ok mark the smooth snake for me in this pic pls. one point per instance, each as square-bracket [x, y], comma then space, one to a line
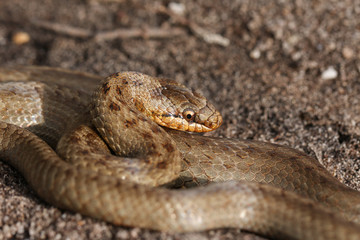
[264, 188]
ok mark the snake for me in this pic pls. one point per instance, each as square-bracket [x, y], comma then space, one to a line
[128, 149]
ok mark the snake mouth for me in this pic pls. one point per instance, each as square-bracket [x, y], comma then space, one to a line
[198, 125]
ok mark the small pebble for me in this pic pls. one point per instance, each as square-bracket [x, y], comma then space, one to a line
[329, 73]
[347, 53]
[21, 38]
[122, 234]
[255, 54]
[177, 8]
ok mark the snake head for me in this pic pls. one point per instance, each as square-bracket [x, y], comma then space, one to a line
[166, 102]
[185, 109]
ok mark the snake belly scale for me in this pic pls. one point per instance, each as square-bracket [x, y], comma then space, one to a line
[110, 159]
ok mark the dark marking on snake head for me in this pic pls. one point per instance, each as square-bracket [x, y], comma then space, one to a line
[85, 152]
[168, 115]
[75, 139]
[142, 118]
[161, 165]
[91, 137]
[139, 105]
[155, 128]
[101, 162]
[169, 147]
[105, 88]
[114, 107]
[154, 148]
[147, 136]
[127, 123]
[137, 83]
[118, 90]
[130, 123]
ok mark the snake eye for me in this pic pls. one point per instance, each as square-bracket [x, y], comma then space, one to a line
[188, 114]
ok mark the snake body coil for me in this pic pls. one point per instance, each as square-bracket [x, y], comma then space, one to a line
[264, 188]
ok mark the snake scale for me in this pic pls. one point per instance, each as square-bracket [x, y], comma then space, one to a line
[118, 165]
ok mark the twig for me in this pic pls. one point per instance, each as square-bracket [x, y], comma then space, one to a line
[109, 35]
[63, 29]
[206, 35]
[144, 33]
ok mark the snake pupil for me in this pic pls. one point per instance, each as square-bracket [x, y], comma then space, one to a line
[188, 114]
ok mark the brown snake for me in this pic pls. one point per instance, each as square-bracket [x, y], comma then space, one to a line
[300, 199]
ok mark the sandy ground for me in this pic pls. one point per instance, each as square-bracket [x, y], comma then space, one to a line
[279, 71]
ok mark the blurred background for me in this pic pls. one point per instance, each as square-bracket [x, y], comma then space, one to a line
[280, 71]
